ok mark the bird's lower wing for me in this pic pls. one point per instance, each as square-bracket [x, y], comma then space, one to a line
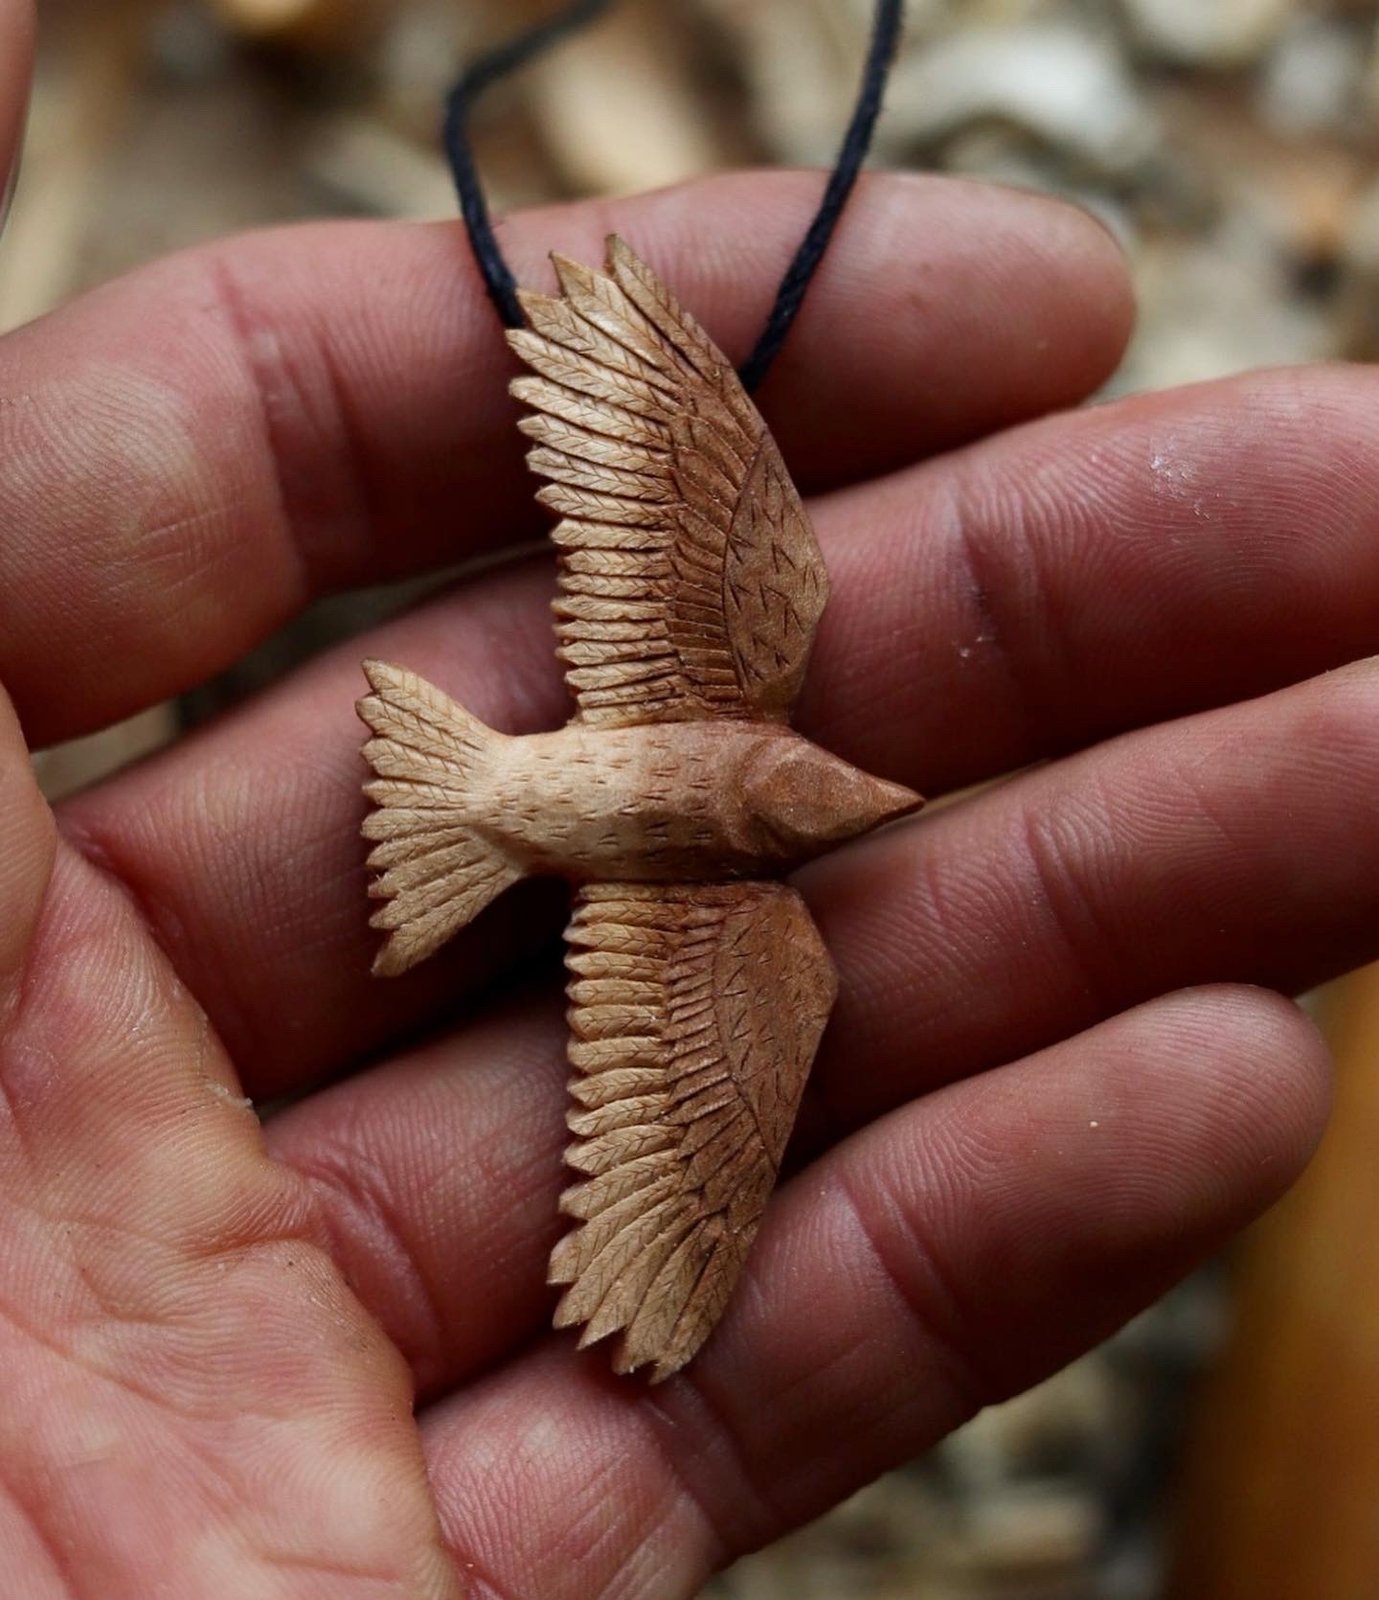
[696, 1011]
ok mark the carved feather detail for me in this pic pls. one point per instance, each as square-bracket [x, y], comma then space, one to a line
[690, 589]
[695, 1014]
[650, 444]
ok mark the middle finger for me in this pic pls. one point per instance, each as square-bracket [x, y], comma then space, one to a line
[1064, 581]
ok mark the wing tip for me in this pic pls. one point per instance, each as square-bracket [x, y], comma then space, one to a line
[520, 340]
[382, 675]
[535, 305]
[573, 276]
[630, 1358]
[633, 1360]
[391, 961]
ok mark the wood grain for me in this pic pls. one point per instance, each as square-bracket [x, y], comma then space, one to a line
[696, 1012]
[1282, 1471]
[691, 586]
[691, 583]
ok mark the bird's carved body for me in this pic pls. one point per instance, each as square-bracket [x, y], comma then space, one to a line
[677, 797]
[674, 802]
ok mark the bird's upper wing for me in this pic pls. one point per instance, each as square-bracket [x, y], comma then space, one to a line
[691, 583]
[696, 1013]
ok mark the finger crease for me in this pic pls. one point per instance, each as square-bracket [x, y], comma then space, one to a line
[937, 1310]
[662, 1430]
[1069, 915]
[320, 511]
[981, 585]
[362, 1193]
[762, 1517]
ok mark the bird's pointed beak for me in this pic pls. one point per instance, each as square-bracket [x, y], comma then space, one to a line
[893, 801]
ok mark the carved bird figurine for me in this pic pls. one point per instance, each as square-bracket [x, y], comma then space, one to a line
[690, 589]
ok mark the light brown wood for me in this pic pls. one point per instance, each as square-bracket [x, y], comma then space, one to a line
[310, 22]
[696, 1014]
[633, 70]
[690, 589]
[1282, 1479]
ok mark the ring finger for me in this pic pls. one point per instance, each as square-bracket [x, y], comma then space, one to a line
[1032, 912]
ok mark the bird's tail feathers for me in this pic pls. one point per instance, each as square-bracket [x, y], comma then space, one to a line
[435, 870]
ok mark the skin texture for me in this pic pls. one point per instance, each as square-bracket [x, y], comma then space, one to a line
[1051, 1086]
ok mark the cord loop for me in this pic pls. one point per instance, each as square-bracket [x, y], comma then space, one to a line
[509, 57]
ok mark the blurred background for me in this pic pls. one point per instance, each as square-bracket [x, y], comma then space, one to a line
[1227, 1444]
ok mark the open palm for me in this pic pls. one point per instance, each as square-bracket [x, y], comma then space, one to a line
[310, 1359]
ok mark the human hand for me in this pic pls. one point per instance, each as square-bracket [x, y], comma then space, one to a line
[1029, 1116]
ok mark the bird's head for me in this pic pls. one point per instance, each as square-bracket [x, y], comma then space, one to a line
[807, 801]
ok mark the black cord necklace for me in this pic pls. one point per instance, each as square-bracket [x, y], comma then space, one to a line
[509, 57]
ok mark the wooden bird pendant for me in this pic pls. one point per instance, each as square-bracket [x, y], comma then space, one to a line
[690, 589]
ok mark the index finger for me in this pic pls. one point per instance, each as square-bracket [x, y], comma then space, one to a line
[188, 455]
